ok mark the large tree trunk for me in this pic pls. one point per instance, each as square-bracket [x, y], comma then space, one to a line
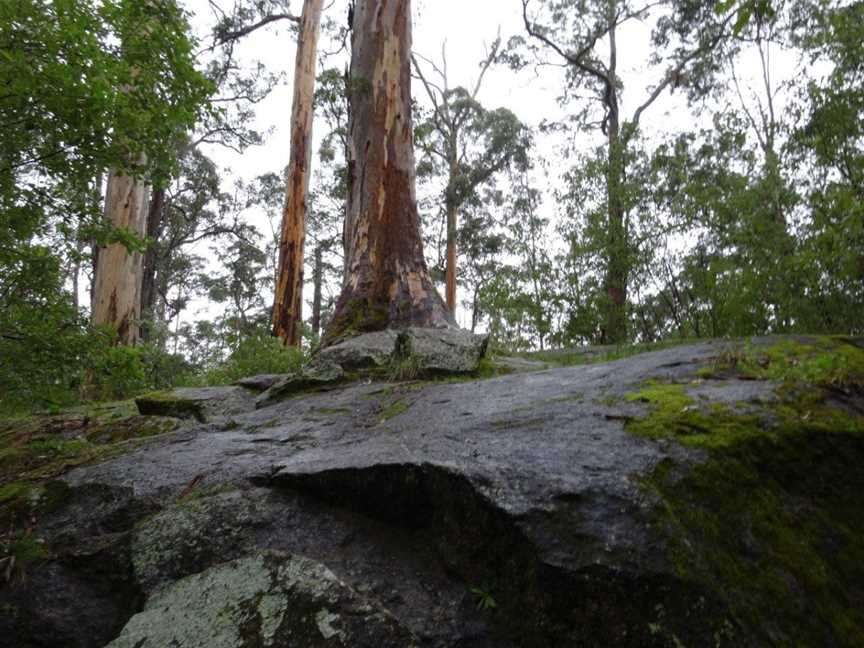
[288, 306]
[148, 279]
[386, 282]
[117, 285]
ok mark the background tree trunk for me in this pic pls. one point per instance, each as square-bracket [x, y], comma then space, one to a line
[117, 285]
[450, 272]
[317, 281]
[148, 278]
[288, 306]
[386, 281]
[617, 256]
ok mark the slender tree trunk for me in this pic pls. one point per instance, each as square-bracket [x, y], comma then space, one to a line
[617, 261]
[76, 270]
[94, 256]
[475, 309]
[155, 217]
[317, 281]
[288, 306]
[615, 328]
[452, 218]
[452, 223]
[386, 282]
[117, 285]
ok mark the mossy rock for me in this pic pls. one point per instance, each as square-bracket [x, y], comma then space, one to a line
[771, 521]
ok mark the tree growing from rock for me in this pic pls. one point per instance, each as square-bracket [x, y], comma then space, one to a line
[386, 282]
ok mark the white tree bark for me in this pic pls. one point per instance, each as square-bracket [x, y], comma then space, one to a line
[117, 285]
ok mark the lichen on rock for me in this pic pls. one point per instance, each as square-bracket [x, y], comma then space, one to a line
[265, 600]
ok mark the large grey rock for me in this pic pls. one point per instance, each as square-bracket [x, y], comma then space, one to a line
[189, 536]
[203, 404]
[266, 600]
[398, 354]
[361, 352]
[441, 350]
[517, 511]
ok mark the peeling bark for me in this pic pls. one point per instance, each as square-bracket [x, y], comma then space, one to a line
[288, 306]
[117, 283]
[386, 282]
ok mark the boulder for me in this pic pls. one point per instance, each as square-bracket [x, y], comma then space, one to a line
[361, 352]
[398, 355]
[441, 350]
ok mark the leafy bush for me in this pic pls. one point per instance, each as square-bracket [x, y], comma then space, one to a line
[256, 354]
[42, 352]
[52, 359]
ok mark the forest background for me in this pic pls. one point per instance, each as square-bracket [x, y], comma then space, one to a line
[626, 172]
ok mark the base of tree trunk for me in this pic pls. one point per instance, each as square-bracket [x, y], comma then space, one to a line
[418, 308]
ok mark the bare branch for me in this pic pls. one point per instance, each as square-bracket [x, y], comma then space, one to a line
[245, 31]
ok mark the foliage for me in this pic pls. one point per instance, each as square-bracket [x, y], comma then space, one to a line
[485, 600]
[53, 365]
[258, 353]
[88, 85]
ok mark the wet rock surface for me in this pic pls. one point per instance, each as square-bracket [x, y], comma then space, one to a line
[504, 512]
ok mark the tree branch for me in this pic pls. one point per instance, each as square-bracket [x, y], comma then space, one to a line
[245, 31]
[676, 72]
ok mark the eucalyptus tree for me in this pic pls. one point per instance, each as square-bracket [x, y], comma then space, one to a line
[67, 116]
[288, 305]
[87, 89]
[386, 282]
[583, 35]
[466, 143]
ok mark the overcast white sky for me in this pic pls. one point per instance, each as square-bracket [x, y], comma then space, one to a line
[468, 26]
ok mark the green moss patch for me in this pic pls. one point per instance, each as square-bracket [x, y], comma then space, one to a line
[18, 553]
[33, 451]
[774, 528]
[676, 414]
[393, 410]
[770, 522]
[821, 360]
